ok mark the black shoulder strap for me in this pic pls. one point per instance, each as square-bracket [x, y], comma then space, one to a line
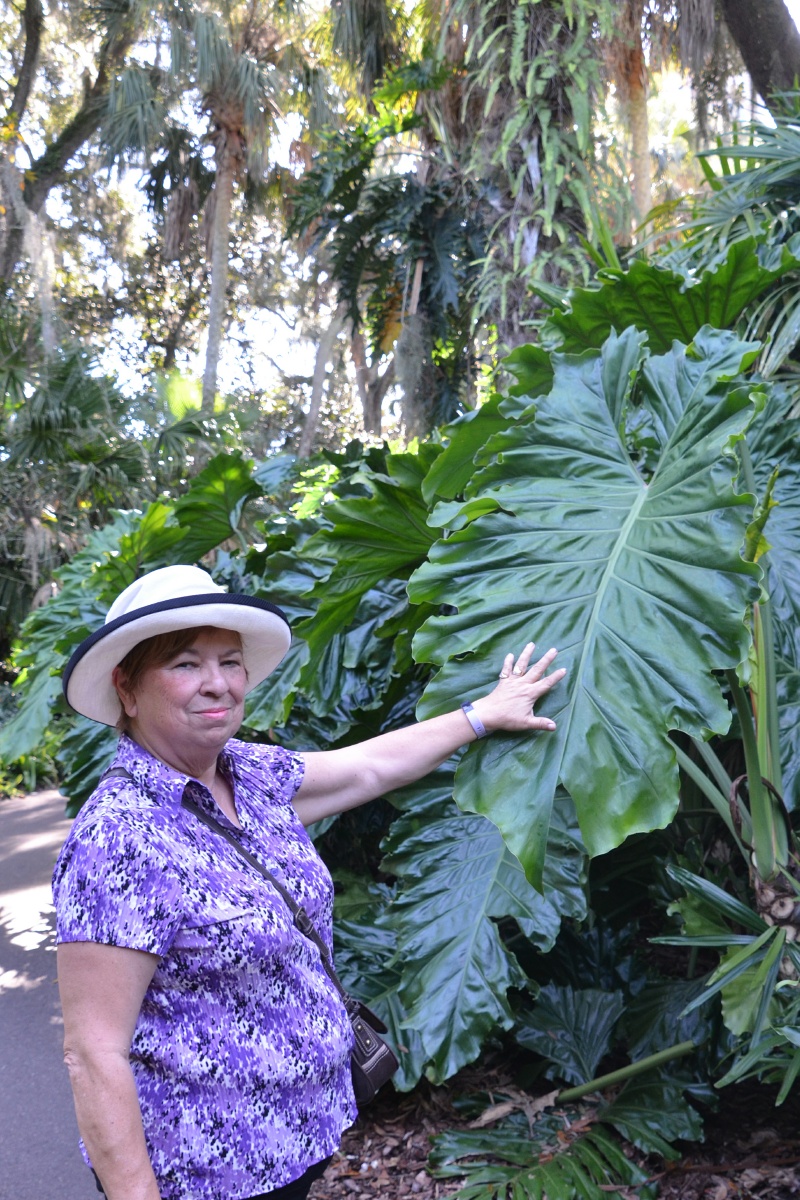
[300, 917]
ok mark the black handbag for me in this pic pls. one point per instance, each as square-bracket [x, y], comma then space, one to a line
[372, 1060]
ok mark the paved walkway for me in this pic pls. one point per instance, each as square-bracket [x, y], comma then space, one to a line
[39, 1158]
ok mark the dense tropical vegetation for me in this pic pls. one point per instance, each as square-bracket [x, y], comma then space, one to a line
[597, 446]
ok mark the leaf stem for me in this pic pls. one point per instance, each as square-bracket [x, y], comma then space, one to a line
[769, 701]
[624, 1073]
[766, 645]
[714, 765]
[761, 810]
[712, 793]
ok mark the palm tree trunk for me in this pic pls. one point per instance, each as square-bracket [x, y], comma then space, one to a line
[218, 300]
[634, 89]
[324, 349]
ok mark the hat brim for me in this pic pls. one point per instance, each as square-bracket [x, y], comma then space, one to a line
[262, 626]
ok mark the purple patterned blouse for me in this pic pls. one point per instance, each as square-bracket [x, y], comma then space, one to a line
[242, 1047]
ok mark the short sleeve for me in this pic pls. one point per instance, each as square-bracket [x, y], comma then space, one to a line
[272, 769]
[112, 886]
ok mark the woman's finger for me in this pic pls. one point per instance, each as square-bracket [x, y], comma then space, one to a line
[523, 660]
[548, 681]
[538, 669]
[508, 664]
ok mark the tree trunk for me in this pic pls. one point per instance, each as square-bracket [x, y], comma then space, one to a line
[768, 41]
[372, 387]
[218, 299]
[324, 348]
[633, 70]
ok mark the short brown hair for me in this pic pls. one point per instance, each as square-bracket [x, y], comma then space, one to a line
[154, 652]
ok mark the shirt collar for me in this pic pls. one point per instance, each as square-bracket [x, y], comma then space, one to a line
[166, 785]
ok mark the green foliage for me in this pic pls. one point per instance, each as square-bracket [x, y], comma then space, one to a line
[756, 1005]
[669, 303]
[597, 504]
[570, 544]
[29, 771]
[499, 1163]
[381, 536]
[457, 973]
[571, 1028]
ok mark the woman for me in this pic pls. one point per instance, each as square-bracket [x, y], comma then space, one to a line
[207, 1048]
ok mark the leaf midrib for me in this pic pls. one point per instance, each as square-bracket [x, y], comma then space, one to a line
[471, 957]
[594, 619]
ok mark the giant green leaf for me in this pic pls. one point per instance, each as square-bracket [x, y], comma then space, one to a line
[211, 509]
[639, 583]
[382, 536]
[452, 470]
[669, 305]
[456, 878]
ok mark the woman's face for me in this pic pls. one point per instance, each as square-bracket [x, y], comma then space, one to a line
[187, 707]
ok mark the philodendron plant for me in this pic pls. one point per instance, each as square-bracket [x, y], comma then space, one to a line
[616, 518]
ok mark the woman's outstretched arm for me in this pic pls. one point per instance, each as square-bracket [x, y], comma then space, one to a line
[336, 780]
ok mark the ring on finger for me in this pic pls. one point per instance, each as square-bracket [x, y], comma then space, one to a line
[517, 671]
[504, 675]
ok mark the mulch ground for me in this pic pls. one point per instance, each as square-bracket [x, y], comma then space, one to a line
[751, 1149]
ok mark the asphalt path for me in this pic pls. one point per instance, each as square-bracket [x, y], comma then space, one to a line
[39, 1157]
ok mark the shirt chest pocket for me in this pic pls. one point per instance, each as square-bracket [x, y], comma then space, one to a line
[223, 931]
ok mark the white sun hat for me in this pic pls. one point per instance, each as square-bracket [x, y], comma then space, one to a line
[164, 601]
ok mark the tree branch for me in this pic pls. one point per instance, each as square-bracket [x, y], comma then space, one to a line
[48, 168]
[33, 20]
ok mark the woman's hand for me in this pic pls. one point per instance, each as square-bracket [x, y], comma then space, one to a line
[510, 705]
[336, 780]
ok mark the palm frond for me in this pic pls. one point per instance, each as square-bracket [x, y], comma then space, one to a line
[136, 112]
[215, 55]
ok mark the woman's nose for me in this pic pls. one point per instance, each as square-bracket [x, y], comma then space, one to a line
[214, 679]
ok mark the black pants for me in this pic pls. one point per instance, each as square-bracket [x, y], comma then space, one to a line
[298, 1189]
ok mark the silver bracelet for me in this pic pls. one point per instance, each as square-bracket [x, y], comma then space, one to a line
[474, 720]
